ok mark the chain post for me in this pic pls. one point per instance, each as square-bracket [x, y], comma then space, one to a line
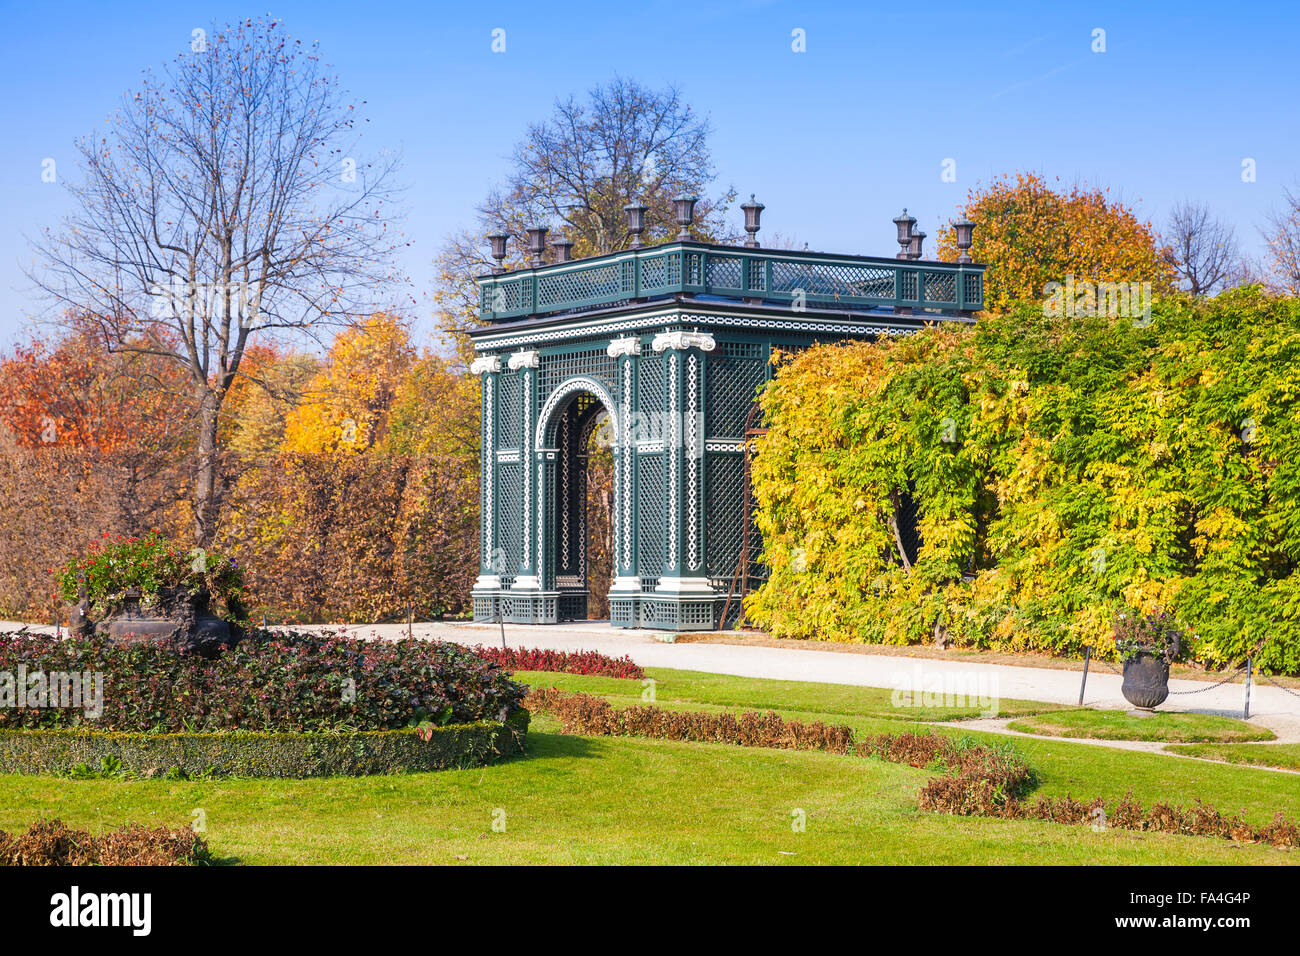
[1087, 656]
[1245, 705]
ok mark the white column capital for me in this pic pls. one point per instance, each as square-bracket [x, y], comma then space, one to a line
[523, 359]
[681, 340]
[484, 364]
[627, 345]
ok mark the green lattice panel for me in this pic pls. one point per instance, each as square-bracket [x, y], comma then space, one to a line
[907, 286]
[510, 512]
[508, 295]
[735, 372]
[578, 285]
[725, 476]
[650, 515]
[724, 272]
[941, 287]
[510, 410]
[832, 281]
[652, 384]
[591, 363]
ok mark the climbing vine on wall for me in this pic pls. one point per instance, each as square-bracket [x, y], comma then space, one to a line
[1064, 469]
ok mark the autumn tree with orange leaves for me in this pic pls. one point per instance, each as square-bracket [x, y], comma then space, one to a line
[1030, 233]
[369, 507]
[90, 441]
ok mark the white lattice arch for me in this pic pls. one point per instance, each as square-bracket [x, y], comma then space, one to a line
[557, 397]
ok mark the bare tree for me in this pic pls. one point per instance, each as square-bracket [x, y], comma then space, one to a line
[1204, 249]
[1283, 238]
[577, 170]
[226, 202]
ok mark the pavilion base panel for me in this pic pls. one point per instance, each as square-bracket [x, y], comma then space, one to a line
[655, 612]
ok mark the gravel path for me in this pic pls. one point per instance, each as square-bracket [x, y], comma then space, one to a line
[1271, 706]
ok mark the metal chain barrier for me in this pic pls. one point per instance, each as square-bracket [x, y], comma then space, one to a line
[1247, 667]
[1227, 680]
[1277, 685]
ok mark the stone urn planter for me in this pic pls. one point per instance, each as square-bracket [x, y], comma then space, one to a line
[178, 619]
[1147, 644]
[1146, 680]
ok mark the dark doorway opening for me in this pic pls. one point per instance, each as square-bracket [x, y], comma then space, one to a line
[597, 460]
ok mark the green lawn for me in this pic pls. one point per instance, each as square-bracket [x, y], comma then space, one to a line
[694, 687]
[1283, 756]
[1120, 725]
[581, 800]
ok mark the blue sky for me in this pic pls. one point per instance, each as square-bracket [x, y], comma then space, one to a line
[834, 140]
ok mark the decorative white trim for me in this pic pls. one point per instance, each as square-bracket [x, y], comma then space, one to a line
[524, 359]
[673, 515]
[565, 454]
[578, 384]
[692, 460]
[509, 455]
[541, 514]
[626, 489]
[527, 582]
[626, 583]
[627, 345]
[527, 518]
[681, 340]
[484, 364]
[715, 444]
[864, 327]
[489, 499]
[487, 582]
[673, 585]
[650, 445]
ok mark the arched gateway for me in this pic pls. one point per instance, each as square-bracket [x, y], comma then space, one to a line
[671, 342]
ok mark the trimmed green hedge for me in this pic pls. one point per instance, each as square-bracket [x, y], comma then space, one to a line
[255, 754]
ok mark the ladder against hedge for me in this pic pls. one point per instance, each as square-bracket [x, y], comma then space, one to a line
[671, 343]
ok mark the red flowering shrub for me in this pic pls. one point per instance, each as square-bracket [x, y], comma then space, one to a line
[272, 681]
[589, 714]
[592, 663]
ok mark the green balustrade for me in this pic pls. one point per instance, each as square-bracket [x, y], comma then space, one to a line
[810, 280]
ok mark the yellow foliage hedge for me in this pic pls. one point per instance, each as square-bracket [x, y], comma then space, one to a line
[1065, 470]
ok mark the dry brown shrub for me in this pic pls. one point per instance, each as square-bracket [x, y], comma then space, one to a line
[54, 843]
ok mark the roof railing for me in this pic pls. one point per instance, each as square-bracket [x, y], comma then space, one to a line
[750, 273]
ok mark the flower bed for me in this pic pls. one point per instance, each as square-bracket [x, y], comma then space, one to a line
[592, 663]
[273, 681]
[280, 704]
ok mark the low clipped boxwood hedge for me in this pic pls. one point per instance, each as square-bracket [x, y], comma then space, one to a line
[293, 682]
[263, 754]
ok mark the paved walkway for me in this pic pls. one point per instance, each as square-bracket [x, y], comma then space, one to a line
[1271, 707]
